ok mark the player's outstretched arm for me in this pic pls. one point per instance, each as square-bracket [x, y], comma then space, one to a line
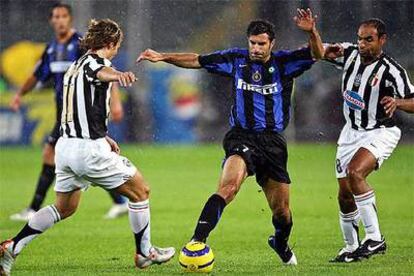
[391, 104]
[117, 111]
[108, 74]
[306, 21]
[27, 86]
[185, 60]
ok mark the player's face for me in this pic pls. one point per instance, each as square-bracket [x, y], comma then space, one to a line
[61, 20]
[260, 47]
[369, 44]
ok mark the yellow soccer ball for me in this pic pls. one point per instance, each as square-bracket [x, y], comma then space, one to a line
[196, 257]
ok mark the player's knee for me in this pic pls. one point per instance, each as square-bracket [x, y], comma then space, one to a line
[139, 193]
[355, 173]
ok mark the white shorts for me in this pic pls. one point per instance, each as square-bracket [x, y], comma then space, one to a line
[81, 162]
[380, 142]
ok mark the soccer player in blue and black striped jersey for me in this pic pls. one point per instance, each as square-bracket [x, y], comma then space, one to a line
[262, 88]
[56, 59]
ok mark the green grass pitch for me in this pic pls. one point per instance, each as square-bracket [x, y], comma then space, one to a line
[181, 179]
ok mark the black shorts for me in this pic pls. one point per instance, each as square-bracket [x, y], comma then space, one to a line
[265, 153]
[54, 135]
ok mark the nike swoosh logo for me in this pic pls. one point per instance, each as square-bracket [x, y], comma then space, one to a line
[242, 65]
[203, 222]
[348, 260]
[375, 247]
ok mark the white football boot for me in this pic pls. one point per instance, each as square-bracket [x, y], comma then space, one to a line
[157, 256]
[23, 215]
[6, 257]
[117, 210]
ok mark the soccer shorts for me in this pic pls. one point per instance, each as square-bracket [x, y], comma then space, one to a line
[81, 162]
[265, 153]
[381, 142]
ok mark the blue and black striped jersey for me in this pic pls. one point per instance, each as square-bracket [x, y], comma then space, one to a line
[261, 91]
[55, 61]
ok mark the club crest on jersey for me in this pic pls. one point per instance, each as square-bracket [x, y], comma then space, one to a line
[357, 81]
[271, 69]
[373, 80]
[354, 100]
[256, 76]
[70, 47]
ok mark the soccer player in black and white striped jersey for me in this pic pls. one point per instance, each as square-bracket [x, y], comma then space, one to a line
[373, 87]
[85, 154]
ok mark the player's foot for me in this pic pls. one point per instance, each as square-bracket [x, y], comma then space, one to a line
[284, 252]
[6, 257]
[117, 210]
[157, 256]
[23, 215]
[344, 256]
[369, 248]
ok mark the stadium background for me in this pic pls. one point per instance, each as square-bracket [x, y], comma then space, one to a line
[170, 105]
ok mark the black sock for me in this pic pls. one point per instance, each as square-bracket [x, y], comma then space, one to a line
[25, 232]
[116, 197]
[45, 180]
[283, 226]
[209, 217]
[138, 238]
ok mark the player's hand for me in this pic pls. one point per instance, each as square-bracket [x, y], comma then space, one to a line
[16, 102]
[390, 105]
[305, 20]
[333, 51]
[114, 146]
[126, 79]
[150, 55]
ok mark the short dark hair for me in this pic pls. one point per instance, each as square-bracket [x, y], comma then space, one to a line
[257, 27]
[377, 24]
[60, 5]
[100, 34]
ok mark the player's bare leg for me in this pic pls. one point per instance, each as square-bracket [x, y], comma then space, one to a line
[348, 221]
[361, 165]
[277, 195]
[137, 191]
[233, 174]
[65, 206]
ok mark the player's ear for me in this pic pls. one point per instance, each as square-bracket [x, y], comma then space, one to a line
[383, 39]
[272, 44]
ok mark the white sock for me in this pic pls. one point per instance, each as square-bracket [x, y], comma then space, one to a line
[369, 217]
[139, 218]
[349, 225]
[40, 222]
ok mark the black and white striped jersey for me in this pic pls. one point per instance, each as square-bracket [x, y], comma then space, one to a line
[363, 87]
[85, 99]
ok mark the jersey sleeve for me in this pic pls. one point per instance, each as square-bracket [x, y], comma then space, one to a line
[93, 67]
[296, 62]
[219, 62]
[42, 70]
[397, 79]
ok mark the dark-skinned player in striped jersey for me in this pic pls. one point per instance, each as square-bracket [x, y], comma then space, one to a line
[262, 89]
[374, 86]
